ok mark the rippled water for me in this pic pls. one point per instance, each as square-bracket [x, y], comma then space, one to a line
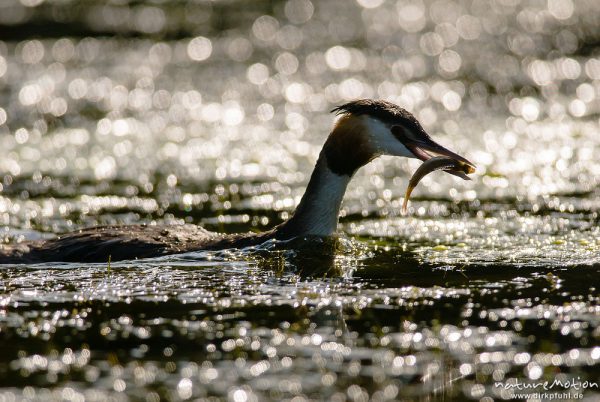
[214, 113]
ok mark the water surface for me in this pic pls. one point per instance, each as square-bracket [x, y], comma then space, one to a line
[214, 114]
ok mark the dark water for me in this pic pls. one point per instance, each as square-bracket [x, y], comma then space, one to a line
[214, 112]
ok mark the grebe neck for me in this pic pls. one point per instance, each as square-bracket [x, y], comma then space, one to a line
[317, 213]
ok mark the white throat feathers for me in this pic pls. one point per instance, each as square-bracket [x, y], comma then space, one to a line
[347, 148]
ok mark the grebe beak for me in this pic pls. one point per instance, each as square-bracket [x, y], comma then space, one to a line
[425, 148]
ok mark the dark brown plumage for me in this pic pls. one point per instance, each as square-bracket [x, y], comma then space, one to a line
[125, 242]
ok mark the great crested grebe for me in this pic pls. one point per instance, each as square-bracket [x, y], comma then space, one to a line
[365, 130]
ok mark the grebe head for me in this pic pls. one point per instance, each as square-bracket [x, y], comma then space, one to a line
[368, 128]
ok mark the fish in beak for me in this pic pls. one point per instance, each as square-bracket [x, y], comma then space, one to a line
[424, 148]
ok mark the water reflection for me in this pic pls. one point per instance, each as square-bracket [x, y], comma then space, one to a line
[214, 113]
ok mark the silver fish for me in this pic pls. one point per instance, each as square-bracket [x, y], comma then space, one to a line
[453, 166]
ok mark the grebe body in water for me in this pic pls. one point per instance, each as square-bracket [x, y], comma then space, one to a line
[365, 130]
